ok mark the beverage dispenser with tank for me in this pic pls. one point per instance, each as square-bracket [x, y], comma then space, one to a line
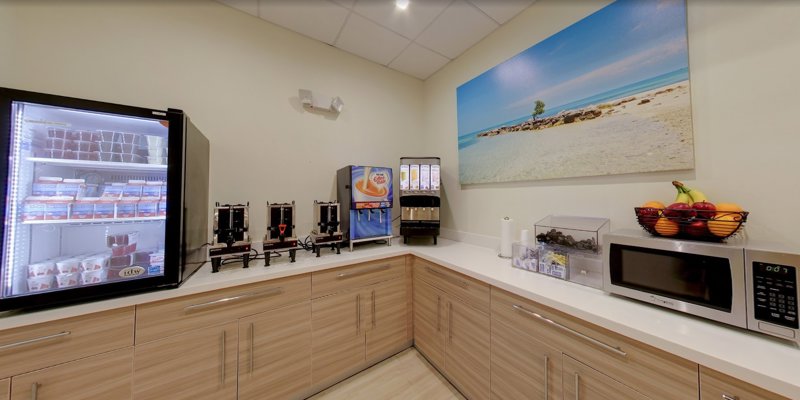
[365, 195]
[419, 197]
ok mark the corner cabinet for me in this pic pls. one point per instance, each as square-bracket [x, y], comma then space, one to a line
[452, 326]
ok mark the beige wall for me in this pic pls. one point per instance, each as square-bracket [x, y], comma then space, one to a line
[235, 75]
[745, 75]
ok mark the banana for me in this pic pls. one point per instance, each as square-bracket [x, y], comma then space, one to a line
[683, 197]
[696, 195]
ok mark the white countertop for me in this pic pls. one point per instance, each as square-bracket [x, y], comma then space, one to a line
[761, 360]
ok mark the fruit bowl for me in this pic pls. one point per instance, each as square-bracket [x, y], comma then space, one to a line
[690, 225]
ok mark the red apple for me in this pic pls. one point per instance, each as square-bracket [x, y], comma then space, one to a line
[697, 228]
[647, 216]
[679, 211]
[705, 209]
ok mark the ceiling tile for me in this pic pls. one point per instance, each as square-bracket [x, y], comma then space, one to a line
[458, 28]
[248, 6]
[502, 11]
[418, 61]
[346, 3]
[367, 39]
[318, 19]
[409, 22]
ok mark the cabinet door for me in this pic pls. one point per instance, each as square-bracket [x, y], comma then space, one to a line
[429, 323]
[275, 353]
[102, 377]
[582, 382]
[718, 386]
[523, 367]
[337, 335]
[199, 364]
[386, 325]
[5, 388]
[467, 349]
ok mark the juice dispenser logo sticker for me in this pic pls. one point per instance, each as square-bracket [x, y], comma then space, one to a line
[372, 184]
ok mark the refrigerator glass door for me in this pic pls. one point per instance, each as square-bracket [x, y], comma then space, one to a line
[86, 199]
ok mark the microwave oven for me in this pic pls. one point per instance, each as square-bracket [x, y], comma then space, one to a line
[752, 285]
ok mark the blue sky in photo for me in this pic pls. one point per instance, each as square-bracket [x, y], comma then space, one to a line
[626, 42]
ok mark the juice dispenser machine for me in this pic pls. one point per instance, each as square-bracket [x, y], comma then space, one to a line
[365, 196]
[419, 197]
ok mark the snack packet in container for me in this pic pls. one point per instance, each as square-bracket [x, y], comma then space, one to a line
[41, 283]
[68, 266]
[68, 280]
[41, 269]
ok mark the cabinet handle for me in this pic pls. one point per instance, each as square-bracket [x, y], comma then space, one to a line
[613, 349]
[35, 391]
[373, 309]
[449, 278]
[438, 313]
[546, 377]
[450, 321]
[729, 397]
[35, 340]
[577, 386]
[226, 300]
[358, 314]
[252, 345]
[345, 275]
[222, 367]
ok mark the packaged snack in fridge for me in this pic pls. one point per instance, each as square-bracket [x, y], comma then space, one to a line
[41, 269]
[147, 208]
[33, 209]
[104, 208]
[126, 208]
[57, 208]
[68, 280]
[132, 191]
[41, 283]
[156, 264]
[83, 208]
[71, 187]
[94, 263]
[162, 207]
[44, 188]
[151, 192]
[112, 192]
[68, 266]
[120, 261]
[90, 277]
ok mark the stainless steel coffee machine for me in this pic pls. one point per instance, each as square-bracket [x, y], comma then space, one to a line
[280, 235]
[231, 237]
[329, 230]
[420, 186]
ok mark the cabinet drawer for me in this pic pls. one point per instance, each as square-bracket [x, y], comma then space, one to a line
[331, 281]
[715, 385]
[105, 376]
[5, 388]
[648, 370]
[42, 345]
[473, 292]
[169, 317]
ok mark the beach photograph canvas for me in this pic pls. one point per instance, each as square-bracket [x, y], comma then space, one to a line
[606, 95]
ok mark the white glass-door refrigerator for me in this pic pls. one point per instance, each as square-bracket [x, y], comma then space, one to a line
[98, 199]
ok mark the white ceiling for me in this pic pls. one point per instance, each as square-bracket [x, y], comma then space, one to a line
[417, 41]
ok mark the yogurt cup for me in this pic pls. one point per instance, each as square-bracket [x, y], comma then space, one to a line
[68, 280]
[41, 269]
[41, 283]
[68, 266]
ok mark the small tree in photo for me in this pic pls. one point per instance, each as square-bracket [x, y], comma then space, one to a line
[538, 109]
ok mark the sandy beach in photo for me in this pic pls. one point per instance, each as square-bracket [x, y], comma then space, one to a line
[644, 132]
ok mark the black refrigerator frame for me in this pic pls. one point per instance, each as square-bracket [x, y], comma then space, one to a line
[186, 223]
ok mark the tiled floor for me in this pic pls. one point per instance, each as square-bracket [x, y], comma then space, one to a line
[406, 376]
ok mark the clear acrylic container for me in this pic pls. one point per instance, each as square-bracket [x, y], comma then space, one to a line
[524, 256]
[576, 233]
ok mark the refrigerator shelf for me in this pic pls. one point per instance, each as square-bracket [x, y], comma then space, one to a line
[99, 164]
[94, 221]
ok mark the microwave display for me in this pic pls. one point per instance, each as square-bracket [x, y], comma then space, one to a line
[693, 278]
[775, 290]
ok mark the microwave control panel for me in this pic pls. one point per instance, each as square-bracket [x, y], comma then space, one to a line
[775, 288]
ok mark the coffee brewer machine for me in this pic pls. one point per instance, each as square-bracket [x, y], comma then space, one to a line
[419, 197]
[328, 231]
[280, 235]
[231, 223]
[365, 195]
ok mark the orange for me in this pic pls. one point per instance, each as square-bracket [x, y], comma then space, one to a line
[667, 227]
[653, 204]
[724, 224]
[728, 207]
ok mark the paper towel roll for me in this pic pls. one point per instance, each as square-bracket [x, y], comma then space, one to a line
[506, 237]
[524, 237]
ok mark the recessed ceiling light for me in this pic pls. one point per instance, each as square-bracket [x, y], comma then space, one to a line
[401, 4]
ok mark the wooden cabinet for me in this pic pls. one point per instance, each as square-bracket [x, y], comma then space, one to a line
[42, 345]
[522, 366]
[644, 368]
[582, 382]
[275, 353]
[5, 388]
[199, 364]
[452, 332]
[338, 345]
[387, 327]
[715, 385]
[467, 349]
[332, 281]
[101, 377]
